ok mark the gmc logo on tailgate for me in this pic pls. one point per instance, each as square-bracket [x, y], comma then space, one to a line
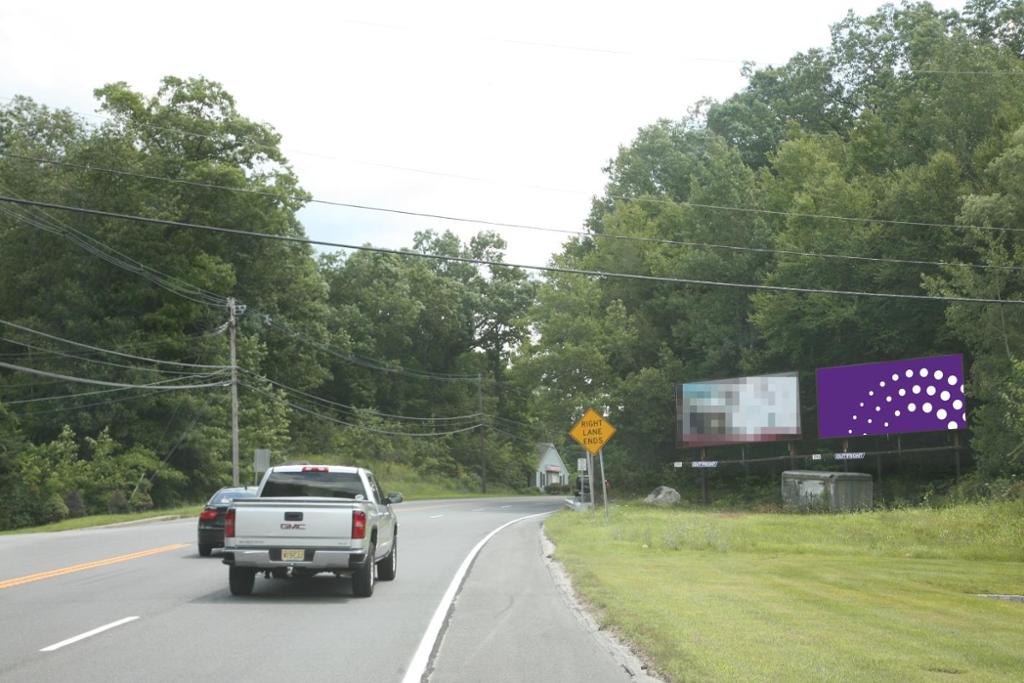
[288, 526]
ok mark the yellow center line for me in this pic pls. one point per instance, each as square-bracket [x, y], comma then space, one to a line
[10, 583]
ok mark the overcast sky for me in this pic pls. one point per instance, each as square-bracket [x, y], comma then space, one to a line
[469, 109]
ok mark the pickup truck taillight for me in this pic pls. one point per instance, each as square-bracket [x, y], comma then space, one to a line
[358, 524]
[208, 514]
[229, 524]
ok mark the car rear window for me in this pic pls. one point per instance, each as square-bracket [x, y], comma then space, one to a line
[321, 484]
[225, 497]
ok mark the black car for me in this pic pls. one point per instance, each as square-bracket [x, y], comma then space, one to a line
[211, 519]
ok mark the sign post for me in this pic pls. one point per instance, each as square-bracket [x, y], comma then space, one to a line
[260, 463]
[593, 432]
[593, 492]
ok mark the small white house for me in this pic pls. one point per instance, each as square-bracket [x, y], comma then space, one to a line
[550, 471]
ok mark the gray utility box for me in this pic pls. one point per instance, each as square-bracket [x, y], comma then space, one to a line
[831, 491]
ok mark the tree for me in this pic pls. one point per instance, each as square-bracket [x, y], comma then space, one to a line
[993, 332]
[185, 154]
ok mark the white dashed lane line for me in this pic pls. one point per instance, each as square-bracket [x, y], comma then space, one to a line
[435, 516]
[87, 634]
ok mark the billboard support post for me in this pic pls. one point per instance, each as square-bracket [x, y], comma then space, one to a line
[743, 458]
[704, 478]
[846, 449]
[956, 447]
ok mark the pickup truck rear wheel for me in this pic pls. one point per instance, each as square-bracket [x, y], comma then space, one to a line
[388, 567]
[364, 575]
[241, 580]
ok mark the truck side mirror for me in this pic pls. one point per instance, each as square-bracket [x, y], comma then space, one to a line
[394, 498]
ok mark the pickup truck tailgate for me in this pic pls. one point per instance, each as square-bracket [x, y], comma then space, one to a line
[293, 522]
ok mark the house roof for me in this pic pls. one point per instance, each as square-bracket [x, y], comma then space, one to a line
[544, 448]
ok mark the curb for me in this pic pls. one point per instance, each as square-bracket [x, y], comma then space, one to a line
[162, 518]
[623, 654]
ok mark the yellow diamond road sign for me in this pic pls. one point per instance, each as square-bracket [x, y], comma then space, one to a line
[592, 431]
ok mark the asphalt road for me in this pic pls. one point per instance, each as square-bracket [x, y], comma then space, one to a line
[170, 616]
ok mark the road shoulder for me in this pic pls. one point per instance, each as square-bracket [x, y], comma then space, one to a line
[516, 618]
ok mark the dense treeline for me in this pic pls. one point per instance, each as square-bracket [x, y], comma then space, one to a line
[888, 162]
[398, 346]
[886, 146]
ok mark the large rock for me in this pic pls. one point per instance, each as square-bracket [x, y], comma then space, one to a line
[663, 495]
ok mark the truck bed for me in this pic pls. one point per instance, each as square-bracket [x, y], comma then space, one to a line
[294, 522]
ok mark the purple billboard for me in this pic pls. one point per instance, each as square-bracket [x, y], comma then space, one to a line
[896, 397]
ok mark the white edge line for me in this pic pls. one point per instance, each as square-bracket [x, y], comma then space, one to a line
[418, 665]
[435, 516]
[87, 634]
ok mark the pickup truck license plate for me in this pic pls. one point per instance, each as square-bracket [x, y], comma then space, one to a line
[293, 555]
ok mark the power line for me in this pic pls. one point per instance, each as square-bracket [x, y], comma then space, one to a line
[138, 396]
[141, 269]
[92, 360]
[131, 345]
[314, 413]
[499, 224]
[518, 437]
[357, 410]
[381, 431]
[583, 233]
[212, 299]
[368, 362]
[83, 380]
[122, 261]
[500, 264]
[115, 353]
[105, 391]
[116, 258]
[517, 422]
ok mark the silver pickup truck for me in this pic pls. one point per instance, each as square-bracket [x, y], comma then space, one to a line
[308, 519]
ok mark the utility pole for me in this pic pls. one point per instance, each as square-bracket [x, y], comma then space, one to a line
[480, 409]
[234, 393]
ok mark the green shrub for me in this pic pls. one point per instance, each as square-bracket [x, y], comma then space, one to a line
[141, 501]
[75, 503]
[54, 509]
[117, 503]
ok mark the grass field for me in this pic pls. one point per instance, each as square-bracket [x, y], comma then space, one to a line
[101, 520]
[875, 596]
